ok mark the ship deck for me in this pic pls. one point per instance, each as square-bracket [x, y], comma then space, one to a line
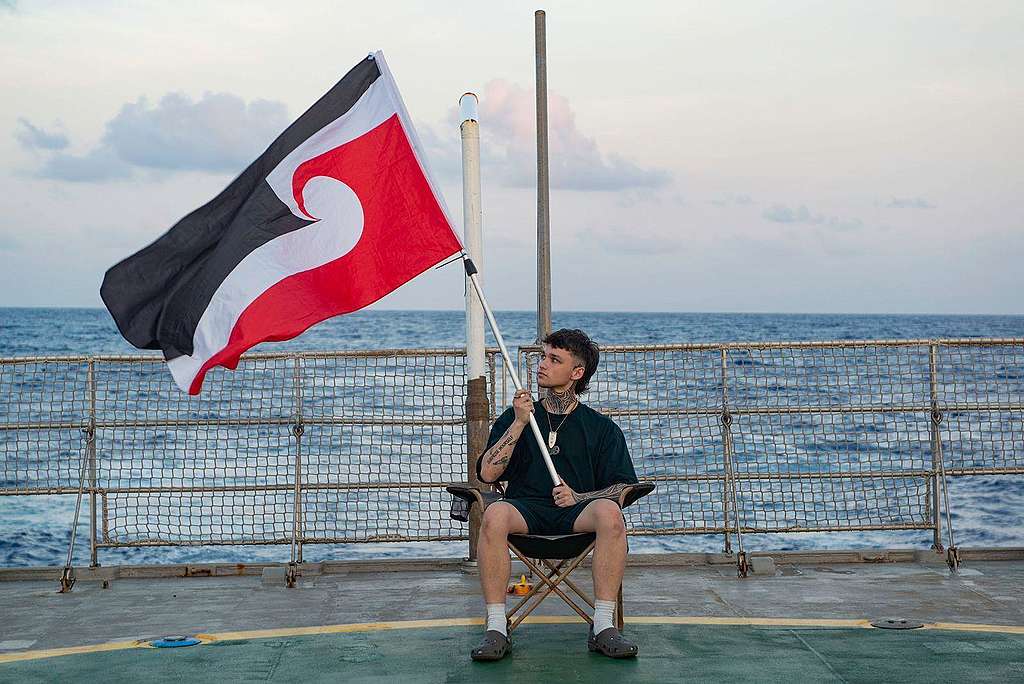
[806, 617]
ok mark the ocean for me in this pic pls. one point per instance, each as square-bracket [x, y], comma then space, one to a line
[34, 530]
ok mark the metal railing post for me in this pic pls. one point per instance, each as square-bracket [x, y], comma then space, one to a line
[726, 449]
[67, 576]
[298, 428]
[91, 455]
[492, 377]
[730, 474]
[936, 450]
[952, 552]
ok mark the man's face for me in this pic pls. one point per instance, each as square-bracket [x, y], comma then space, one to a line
[558, 368]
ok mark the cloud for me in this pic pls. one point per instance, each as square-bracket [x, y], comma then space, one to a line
[219, 133]
[509, 153]
[731, 200]
[840, 224]
[444, 152]
[628, 199]
[33, 137]
[9, 5]
[780, 213]
[783, 214]
[909, 203]
[99, 164]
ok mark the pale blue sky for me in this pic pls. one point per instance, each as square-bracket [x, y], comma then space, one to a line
[747, 156]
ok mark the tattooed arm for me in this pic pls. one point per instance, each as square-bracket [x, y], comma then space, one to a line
[494, 461]
[564, 495]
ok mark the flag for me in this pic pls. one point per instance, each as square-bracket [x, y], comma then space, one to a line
[339, 211]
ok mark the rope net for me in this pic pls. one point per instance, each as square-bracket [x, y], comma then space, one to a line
[358, 446]
[980, 392]
[43, 409]
[830, 436]
[371, 439]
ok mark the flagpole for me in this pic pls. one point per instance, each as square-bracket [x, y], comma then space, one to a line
[543, 181]
[471, 274]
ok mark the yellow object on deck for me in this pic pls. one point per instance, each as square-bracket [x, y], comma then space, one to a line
[520, 588]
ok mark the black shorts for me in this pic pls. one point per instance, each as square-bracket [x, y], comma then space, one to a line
[544, 517]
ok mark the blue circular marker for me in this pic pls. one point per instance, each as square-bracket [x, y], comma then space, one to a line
[175, 641]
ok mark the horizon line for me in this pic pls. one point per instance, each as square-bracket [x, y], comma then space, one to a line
[596, 311]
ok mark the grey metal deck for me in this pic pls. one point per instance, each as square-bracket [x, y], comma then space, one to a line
[146, 602]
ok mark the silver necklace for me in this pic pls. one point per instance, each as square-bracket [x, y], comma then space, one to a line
[553, 432]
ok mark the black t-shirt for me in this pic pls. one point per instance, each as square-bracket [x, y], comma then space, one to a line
[592, 453]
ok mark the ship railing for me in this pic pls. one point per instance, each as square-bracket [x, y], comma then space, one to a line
[744, 438]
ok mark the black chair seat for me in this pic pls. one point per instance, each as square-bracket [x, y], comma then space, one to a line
[557, 546]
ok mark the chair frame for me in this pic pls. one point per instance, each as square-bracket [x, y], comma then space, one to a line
[552, 571]
[552, 575]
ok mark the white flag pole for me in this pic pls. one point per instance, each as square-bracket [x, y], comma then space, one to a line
[471, 274]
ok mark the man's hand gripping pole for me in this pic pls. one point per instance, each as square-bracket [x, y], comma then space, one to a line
[471, 274]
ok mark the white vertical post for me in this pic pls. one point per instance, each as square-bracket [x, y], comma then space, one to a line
[477, 405]
[471, 216]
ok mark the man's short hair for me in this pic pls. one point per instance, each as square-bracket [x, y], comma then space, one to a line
[582, 347]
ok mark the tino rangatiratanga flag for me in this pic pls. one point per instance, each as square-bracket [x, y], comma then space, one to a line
[338, 212]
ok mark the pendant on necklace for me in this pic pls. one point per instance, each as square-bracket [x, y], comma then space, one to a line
[552, 436]
[554, 450]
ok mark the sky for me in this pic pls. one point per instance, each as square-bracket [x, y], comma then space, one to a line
[841, 157]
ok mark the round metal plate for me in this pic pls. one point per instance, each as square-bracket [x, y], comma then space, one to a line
[174, 641]
[896, 623]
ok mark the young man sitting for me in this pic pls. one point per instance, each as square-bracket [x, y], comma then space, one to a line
[591, 457]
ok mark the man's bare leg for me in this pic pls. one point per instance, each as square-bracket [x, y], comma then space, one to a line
[604, 517]
[500, 520]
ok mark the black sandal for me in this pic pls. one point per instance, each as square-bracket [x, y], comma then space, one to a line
[495, 646]
[611, 643]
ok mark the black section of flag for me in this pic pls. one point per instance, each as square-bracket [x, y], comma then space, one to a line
[262, 218]
[158, 295]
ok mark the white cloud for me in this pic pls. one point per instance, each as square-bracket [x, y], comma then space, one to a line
[219, 133]
[509, 153]
[909, 203]
[780, 213]
[732, 200]
[35, 138]
[99, 164]
[783, 214]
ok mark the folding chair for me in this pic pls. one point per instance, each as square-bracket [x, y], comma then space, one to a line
[551, 558]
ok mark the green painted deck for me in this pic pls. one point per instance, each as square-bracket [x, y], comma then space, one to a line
[804, 621]
[558, 652]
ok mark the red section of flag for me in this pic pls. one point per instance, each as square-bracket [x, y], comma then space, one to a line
[405, 232]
